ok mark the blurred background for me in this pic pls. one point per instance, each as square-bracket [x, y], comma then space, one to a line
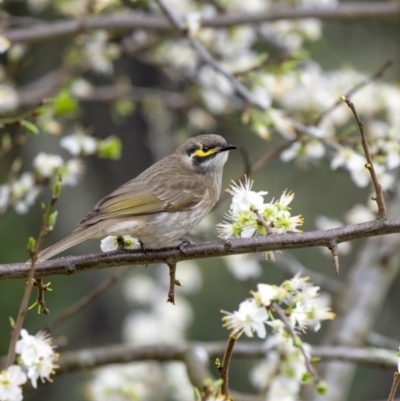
[150, 124]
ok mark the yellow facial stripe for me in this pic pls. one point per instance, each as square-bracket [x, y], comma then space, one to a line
[202, 153]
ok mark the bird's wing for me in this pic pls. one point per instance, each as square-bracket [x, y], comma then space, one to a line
[158, 194]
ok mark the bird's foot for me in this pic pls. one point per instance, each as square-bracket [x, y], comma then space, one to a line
[143, 247]
[185, 242]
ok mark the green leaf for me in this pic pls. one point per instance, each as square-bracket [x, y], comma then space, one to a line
[110, 148]
[197, 394]
[30, 127]
[297, 342]
[322, 388]
[64, 103]
[124, 107]
[306, 377]
[40, 110]
[57, 189]
[52, 219]
[31, 244]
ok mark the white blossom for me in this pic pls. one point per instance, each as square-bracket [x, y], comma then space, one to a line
[304, 152]
[8, 99]
[249, 318]
[81, 88]
[298, 317]
[243, 267]
[247, 206]
[110, 243]
[141, 289]
[162, 324]
[281, 372]
[359, 214]
[193, 22]
[266, 294]
[11, 381]
[36, 354]
[4, 44]
[96, 53]
[79, 143]
[72, 172]
[47, 165]
[318, 309]
[23, 193]
[243, 198]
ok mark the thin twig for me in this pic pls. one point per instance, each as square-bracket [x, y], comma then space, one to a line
[224, 369]
[370, 166]
[266, 63]
[40, 299]
[262, 221]
[172, 281]
[335, 255]
[236, 246]
[396, 381]
[88, 358]
[378, 74]
[388, 11]
[23, 309]
[204, 55]
[297, 342]
[87, 299]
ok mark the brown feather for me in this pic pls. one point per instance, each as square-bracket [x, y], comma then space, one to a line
[150, 193]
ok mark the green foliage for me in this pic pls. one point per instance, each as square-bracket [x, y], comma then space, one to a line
[31, 244]
[29, 126]
[322, 388]
[52, 220]
[64, 103]
[110, 148]
[306, 378]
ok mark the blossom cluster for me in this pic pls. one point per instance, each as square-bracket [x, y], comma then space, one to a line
[284, 369]
[22, 192]
[249, 214]
[36, 360]
[305, 308]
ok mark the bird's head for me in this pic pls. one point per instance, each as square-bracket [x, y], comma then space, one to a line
[205, 153]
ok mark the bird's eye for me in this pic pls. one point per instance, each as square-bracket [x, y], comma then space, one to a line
[205, 149]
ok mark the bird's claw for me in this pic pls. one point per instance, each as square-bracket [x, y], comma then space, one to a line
[185, 242]
[143, 247]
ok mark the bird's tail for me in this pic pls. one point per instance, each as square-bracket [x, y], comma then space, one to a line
[73, 239]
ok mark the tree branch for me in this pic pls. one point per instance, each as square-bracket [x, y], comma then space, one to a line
[388, 11]
[204, 54]
[73, 361]
[370, 165]
[72, 264]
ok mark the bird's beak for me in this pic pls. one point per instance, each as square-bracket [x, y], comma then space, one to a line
[227, 147]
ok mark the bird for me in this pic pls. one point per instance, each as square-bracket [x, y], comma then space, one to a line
[163, 203]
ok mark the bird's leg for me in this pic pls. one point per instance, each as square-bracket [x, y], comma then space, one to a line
[143, 247]
[121, 244]
[185, 242]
